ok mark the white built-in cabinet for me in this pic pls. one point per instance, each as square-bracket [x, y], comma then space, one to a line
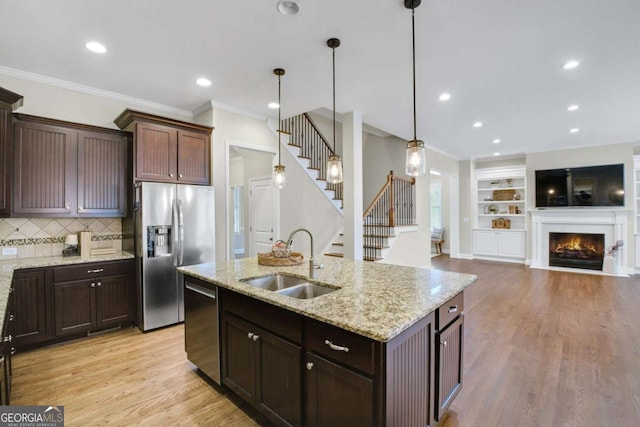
[500, 220]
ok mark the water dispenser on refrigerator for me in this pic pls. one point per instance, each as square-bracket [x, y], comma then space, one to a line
[159, 241]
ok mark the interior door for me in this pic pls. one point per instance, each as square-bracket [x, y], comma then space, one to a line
[261, 213]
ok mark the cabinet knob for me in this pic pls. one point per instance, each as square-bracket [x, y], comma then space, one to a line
[11, 317]
[13, 350]
[99, 284]
[80, 208]
[444, 343]
[250, 335]
[309, 365]
[171, 175]
[180, 175]
[256, 337]
[8, 338]
[93, 285]
[335, 347]
[67, 208]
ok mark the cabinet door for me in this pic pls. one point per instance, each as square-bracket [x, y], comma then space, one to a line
[114, 300]
[194, 154]
[449, 374]
[279, 385]
[511, 244]
[337, 396]
[238, 357]
[45, 170]
[5, 166]
[156, 151]
[30, 306]
[102, 163]
[485, 242]
[74, 307]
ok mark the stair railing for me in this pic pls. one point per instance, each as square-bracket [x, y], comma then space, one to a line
[394, 204]
[313, 146]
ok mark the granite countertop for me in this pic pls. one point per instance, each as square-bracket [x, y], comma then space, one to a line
[375, 300]
[8, 266]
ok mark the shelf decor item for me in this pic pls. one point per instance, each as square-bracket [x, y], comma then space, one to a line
[503, 195]
[501, 223]
[267, 258]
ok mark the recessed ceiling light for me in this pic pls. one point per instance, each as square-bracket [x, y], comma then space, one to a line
[477, 125]
[288, 7]
[436, 173]
[497, 141]
[274, 105]
[203, 82]
[570, 64]
[444, 96]
[574, 130]
[96, 47]
[496, 154]
[573, 107]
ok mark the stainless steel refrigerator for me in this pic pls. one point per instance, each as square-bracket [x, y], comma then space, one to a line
[174, 226]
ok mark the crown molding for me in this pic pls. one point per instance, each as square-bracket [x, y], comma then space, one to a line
[226, 107]
[51, 81]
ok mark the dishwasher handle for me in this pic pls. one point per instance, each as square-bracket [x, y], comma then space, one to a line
[209, 293]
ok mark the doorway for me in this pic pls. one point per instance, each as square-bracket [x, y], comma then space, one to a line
[445, 209]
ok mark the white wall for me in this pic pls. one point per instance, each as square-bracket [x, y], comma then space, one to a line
[465, 222]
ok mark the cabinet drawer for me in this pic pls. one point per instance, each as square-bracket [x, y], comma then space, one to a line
[281, 322]
[346, 347]
[91, 270]
[449, 311]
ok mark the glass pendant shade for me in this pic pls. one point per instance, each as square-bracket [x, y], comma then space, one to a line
[416, 163]
[279, 178]
[334, 169]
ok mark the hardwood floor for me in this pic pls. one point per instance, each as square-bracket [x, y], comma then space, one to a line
[542, 348]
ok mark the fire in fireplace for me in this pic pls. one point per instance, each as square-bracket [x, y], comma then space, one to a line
[576, 250]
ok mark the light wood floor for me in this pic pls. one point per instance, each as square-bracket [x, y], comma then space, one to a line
[541, 349]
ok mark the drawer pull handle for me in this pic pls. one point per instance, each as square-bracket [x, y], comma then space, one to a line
[8, 338]
[453, 309]
[97, 270]
[444, 343]
[332, 346]
[309, 366]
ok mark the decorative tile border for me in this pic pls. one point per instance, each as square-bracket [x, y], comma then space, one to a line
[46, 240]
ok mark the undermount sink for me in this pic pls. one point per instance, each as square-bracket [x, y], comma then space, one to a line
[275, 282]
[290, 286]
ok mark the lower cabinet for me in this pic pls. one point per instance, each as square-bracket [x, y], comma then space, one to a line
[7, 350]
[299, 371]
[30, 296]
[499, 244]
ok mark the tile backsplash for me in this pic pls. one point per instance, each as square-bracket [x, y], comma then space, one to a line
[39, 237]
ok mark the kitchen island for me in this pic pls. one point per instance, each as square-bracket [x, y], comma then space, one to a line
[385, 348]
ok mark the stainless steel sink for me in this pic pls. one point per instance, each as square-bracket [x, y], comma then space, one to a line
[291, 286]
[275, 282]
[306, 291]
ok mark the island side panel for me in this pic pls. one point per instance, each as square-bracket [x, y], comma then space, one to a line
[409, 364]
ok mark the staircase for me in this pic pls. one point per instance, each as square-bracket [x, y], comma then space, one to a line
[392, 210]
[313, 151]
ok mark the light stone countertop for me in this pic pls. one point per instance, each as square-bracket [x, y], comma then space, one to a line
[8, 266]
[376, 300]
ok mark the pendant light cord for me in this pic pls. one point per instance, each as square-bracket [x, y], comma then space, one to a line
[334, 100]
[279, 122]
[413, 35]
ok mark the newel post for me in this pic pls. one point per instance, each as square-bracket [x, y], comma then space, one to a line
[392, 203]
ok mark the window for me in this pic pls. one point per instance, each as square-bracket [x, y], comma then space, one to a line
[436, 204]
[237, 210]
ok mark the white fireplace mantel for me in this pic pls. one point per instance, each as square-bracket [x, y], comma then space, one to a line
[610, 222]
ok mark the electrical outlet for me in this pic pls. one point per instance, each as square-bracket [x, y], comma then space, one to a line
[9, 251]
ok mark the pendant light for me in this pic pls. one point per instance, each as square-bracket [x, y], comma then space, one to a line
[279, 177]
[416, 163]
[334, 165]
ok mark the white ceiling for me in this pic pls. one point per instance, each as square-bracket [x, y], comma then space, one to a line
[501, 60]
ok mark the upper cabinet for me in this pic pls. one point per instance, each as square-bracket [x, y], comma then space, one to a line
[168, 150]
[68, 169]
[9, 101]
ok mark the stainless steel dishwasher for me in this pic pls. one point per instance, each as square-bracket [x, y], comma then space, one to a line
[201, 335]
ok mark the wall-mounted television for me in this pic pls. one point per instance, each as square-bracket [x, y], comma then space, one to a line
[584, 186]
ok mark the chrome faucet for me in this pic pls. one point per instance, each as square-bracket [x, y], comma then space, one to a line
[313, 267]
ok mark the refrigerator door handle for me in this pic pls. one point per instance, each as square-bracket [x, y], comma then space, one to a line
[175, 227]
[181, 232]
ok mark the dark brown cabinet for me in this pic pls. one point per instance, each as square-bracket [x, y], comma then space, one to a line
[31, 305]
[259, 365]
[93, 296]
[168, 150]
[7, 349]
[449, 341]
[68, 169]
[9, 101]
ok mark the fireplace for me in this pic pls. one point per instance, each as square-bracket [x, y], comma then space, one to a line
[576, 250]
